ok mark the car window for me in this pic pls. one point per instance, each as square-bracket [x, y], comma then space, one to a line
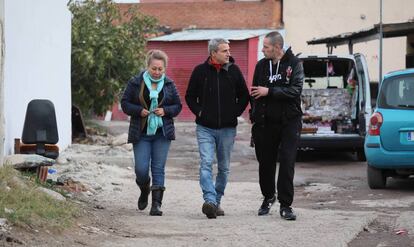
[323, 82]
[397, 92]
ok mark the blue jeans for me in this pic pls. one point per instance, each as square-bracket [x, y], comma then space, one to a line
[212, 142]
[151, 150]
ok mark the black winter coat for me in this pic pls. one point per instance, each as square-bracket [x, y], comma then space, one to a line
[131, 106]
[283, 100]
[217, 98]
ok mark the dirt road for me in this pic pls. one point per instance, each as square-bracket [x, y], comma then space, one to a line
[332, 201]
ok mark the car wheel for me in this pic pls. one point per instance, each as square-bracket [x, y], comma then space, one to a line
[376, 178]
[361, 155]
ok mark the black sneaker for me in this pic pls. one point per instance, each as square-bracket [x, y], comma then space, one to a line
[266, 205]
[287, 213]
[210, 210]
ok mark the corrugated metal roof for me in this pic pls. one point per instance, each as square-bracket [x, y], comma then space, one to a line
[207, 34]
[390, 30]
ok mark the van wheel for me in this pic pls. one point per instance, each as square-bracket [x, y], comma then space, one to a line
[376, 178]
[361, 155]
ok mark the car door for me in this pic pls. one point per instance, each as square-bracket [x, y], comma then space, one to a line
[396, 104]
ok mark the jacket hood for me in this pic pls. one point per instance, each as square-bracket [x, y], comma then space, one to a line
[288, 54]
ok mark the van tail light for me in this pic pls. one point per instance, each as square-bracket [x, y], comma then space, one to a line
[375, 124]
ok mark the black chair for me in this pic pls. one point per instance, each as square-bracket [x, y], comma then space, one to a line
[40, 133]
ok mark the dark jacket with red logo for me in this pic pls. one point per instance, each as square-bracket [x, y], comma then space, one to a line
[217, 97]
[283, 100]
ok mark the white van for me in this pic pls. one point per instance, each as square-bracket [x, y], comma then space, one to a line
[336, 103]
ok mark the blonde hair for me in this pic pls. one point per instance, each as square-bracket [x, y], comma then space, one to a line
[157, 54]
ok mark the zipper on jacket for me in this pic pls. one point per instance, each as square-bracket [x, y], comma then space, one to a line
[202, 101]
[218, 99]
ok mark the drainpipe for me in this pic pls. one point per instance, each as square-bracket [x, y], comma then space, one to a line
[380, 46]
[2, 125]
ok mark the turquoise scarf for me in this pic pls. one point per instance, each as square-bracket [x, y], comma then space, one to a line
[154, 121]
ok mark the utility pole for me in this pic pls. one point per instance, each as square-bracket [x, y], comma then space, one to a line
[380, 46]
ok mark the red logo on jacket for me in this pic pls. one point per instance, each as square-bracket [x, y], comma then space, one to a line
[288, 73]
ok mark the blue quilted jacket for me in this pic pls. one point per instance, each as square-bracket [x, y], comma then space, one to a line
[131, 106]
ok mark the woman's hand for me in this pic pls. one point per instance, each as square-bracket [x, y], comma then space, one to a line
[144, 113]
[159, 112]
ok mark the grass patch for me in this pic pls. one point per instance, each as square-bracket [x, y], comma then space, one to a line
[23, 205]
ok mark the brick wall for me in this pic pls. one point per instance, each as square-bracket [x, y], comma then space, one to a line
[226, 14]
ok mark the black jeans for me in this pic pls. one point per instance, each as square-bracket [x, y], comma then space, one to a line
[273, 141]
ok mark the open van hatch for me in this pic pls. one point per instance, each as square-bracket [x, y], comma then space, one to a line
[330, 103]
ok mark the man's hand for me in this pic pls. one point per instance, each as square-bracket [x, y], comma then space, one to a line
[259, 91]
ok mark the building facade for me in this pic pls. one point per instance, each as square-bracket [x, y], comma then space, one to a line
[308, 19]
[218, 14]
[237, 21]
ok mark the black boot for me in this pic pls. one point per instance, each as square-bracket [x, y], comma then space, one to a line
[143, 198]
[157, 194]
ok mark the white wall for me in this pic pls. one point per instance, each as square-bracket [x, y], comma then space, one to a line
[37, 63]
[308, 19]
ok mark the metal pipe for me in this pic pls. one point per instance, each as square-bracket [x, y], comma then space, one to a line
[2, 121]
[380, 45]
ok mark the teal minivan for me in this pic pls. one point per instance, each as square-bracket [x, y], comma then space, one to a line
[389, 144]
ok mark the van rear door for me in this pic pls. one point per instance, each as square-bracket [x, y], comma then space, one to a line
[364, 99]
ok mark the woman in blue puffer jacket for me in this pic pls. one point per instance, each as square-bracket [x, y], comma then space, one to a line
[152, 101]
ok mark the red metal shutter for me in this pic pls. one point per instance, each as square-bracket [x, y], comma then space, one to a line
[185, 55]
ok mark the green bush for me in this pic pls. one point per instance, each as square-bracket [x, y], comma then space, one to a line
[108, 47]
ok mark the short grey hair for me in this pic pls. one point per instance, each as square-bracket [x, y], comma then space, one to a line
[213, 44]
[275, 38]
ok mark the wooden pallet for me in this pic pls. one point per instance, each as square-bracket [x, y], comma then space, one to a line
[49, 151]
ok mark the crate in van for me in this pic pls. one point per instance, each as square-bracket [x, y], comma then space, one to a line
[336, 103]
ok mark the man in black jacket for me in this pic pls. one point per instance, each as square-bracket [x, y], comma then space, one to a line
[277, 121]
[217, 95]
